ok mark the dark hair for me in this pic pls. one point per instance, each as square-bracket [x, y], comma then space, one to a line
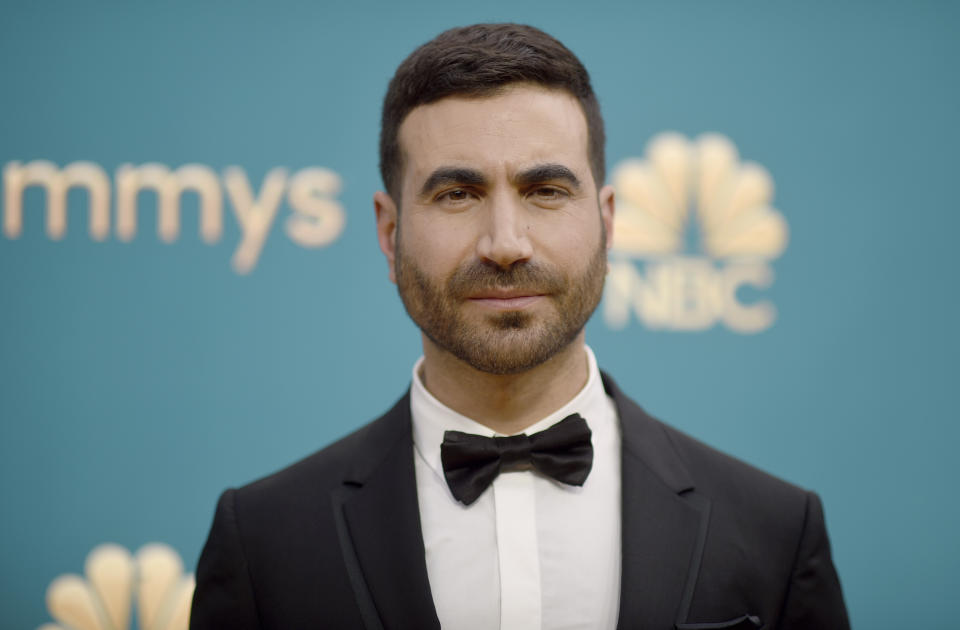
[481, 60]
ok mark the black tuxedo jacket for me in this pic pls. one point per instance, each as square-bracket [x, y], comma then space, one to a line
[334, 540]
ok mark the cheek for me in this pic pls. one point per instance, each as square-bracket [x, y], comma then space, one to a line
[569, 241]
[437, 249]
[437, 238]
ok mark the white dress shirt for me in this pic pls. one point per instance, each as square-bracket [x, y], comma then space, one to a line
[531, 552]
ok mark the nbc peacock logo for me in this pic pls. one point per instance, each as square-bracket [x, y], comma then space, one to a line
[694, 232]
[153, 579]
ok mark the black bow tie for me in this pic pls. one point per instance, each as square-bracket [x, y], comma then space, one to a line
[472, 462]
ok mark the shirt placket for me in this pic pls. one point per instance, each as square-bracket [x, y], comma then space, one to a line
[517, 551]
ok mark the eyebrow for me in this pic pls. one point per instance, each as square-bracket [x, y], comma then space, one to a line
[446, 175]
[545, 173]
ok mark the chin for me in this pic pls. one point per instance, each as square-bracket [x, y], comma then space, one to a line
[510, 343]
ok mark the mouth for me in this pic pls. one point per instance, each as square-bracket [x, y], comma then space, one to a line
[506, 299]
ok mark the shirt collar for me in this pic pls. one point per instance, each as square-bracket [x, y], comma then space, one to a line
[431, 418]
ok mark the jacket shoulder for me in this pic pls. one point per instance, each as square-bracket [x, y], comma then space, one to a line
[351, 457]
[720, 473]
[766, 549]
[686, 463]
[274, 553]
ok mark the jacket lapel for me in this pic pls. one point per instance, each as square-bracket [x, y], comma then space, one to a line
[378, 522]
[664, 523]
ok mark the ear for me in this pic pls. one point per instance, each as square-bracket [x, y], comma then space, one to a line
[386, 211]
[607, 209]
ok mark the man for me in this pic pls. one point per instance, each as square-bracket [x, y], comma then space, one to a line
[591, 514]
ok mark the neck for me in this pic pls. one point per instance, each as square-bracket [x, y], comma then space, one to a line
[505, 403]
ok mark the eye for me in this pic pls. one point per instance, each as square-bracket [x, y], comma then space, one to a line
[455, 196]
[548, 194]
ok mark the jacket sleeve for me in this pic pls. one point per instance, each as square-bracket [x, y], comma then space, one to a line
[814, 598]
[224, 594]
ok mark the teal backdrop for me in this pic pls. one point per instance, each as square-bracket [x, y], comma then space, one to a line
[140, 378]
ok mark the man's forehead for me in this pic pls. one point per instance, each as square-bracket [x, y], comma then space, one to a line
[514, 129]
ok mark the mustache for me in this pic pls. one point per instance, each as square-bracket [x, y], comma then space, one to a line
[480, 276]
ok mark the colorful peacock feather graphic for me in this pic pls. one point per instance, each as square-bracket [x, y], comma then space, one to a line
[152, 581]
[679, 190]
[680, 180]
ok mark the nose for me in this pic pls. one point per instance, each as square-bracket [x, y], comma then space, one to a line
[505, 239]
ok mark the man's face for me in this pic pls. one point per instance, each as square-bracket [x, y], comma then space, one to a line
[499, 250]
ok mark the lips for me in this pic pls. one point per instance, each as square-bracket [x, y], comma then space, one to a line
[506, 299]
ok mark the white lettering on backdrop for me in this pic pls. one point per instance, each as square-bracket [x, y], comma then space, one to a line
[317, 219]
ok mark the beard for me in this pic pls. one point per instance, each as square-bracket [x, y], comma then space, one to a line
[505, 342]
